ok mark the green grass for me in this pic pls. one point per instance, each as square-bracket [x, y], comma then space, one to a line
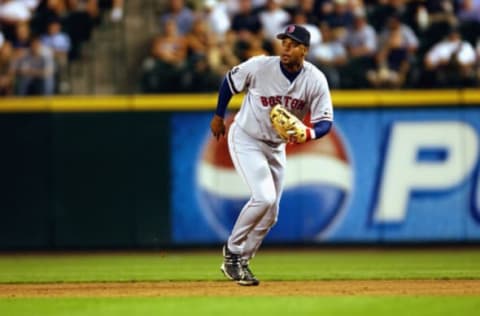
[265, 306]
[269, 265]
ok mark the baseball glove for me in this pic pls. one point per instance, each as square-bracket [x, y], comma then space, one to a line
[288, 126]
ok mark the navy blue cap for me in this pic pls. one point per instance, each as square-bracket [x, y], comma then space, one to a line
[297, 33]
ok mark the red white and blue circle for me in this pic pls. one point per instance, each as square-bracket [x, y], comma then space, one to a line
[317, 185]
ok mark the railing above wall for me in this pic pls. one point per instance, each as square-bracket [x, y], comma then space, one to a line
[189, 102]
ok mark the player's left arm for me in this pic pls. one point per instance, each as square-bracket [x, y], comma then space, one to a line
[321, 110]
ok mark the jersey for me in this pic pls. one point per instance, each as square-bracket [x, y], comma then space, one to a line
[265, 85]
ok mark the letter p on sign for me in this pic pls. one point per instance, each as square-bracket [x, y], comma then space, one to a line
[454, 147]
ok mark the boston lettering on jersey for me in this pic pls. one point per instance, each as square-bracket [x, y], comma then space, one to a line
[285, 100]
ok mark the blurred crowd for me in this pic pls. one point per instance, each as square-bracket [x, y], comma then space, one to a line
[39, 39]
[357, 44]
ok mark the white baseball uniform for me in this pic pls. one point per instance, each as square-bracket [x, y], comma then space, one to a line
[258, 153]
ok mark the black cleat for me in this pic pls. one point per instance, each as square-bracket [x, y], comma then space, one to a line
[231, 266]
[248, 278]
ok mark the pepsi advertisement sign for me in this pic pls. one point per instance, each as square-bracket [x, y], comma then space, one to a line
[389, 175]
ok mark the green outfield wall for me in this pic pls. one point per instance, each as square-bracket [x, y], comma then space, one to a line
[94, 172]
[87, 179]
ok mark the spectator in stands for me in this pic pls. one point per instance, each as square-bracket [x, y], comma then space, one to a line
[83, 14]
[234, 6]
[11, 13]
[221, 52]
[21, 19]
[14, 11]
[421, 18]
[341, 19]
[32, 5]
[198, 40]
[201, 77]
[469, 19]
[78, 19]
[217, 17]
[227, 58]
[60, 45]
[451, 62]
[273, 19]
[357, 5]
[392, 62]
[407, 37]
[58, 41]
[441, 17]
[399, 7]
[163, 71]
[469, 11]
[170, 47]
[245, 25]
[441, 11]
[115, 8]
[35, 71]
[330, 55]
[361, 45]
[181, 14]
[246, 22]
[203, 55]
[21, 41]
[361, 40]
[255, 48]
[309, 8]
[21, 7]
[382, 10]
[259, 4]
[47, 11]
[6, 76]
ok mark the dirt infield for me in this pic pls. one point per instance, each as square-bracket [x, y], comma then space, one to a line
[269, 288]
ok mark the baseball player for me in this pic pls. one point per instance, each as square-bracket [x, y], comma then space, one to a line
[256, 148]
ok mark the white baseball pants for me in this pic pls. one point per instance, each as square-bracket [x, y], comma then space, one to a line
[261, 166]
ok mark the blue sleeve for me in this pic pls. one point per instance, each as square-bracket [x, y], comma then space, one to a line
[322, 128]
[224, 96]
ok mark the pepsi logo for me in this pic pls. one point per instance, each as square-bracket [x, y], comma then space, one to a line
[318, 183]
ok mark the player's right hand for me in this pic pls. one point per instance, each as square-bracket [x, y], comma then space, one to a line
[217, 126]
